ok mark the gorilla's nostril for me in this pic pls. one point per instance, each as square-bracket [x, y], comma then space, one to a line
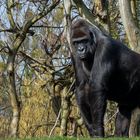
[81, 49]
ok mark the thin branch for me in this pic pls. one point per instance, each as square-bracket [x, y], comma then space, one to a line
[64, 67]
[111, 117]
[9, 30]
[5, 47]
[9, 13]
[16, 31]
[4, 108]
[55, 123]
[32, 59]
[46, 26]
[30, 23]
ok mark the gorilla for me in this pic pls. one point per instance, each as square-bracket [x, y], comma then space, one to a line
[105, 69]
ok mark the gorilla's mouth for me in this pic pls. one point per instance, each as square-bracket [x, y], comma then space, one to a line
[82, 56]
[82, 53]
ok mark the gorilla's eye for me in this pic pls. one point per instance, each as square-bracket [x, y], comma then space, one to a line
[75, 42]
[84, 41]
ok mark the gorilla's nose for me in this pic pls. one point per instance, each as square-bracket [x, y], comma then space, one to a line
[81, 49]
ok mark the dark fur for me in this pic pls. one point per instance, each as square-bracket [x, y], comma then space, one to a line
[104, 69]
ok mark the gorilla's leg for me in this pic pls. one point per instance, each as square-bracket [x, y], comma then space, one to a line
[85, 112]
[98, 107]
[122, 123]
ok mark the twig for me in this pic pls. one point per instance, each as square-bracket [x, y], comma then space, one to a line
[35, 60]
[111, 117]
[55, 123]
[46, 26]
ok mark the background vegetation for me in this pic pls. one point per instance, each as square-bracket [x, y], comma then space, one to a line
[36, 74]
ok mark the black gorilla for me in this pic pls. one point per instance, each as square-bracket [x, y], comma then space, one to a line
[105, 69]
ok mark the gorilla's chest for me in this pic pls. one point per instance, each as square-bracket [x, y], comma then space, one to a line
[87, 67]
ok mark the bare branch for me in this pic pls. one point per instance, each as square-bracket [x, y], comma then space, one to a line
[9, 4]
[32, 59]
[55, 123]
[29, 23]
[46, 26]
[85, 13]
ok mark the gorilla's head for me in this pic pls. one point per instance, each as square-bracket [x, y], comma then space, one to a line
[84, 39]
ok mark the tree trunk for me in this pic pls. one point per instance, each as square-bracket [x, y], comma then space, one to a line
[19, 38]
[100, 9]
[13, 96]
[65, 106]
[132, 31]
[133, 9]
[15, 104]
[135, 123]
[85, 13]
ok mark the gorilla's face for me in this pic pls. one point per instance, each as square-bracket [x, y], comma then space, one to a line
[83, 42]
[83, 47]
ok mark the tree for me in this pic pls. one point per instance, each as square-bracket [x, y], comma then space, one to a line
[18, 38]
[131, 28]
